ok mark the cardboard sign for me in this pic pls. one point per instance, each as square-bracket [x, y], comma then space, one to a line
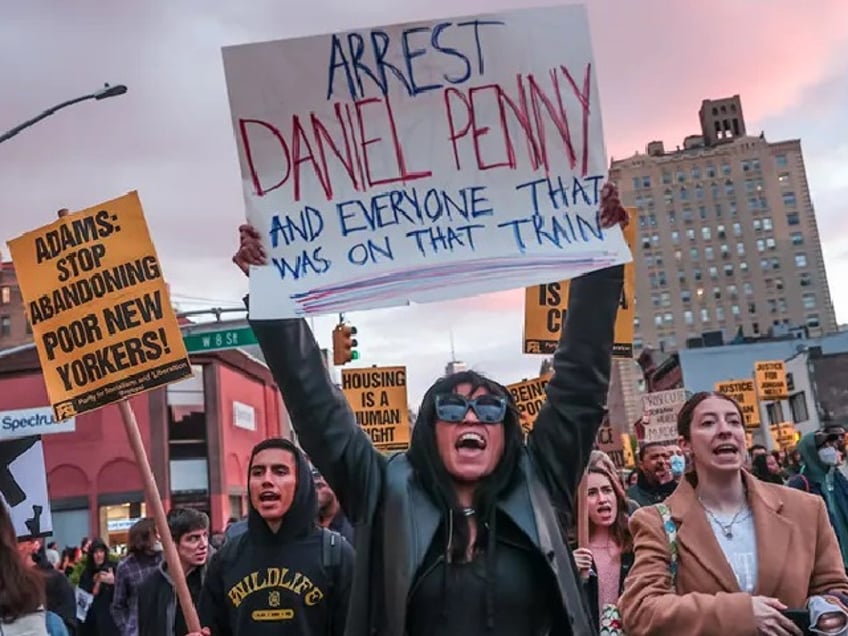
[33, 421]
[771, 380]
[529, 397]
[377, 396]
[660, 412]
[545, 309]
[421, 162]
[99, 307]
[23, 487]
[617, 447]
[745, 394]
[784, 435]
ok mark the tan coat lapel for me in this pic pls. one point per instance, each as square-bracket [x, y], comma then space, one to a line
[774, 533]
[696, 539]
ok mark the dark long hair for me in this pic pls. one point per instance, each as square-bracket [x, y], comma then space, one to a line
[21, 585]
[759, 468]
[431, 472]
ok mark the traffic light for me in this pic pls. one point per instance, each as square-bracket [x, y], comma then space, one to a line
[344, 344]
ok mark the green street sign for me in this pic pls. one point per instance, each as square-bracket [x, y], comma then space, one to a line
[219, 340]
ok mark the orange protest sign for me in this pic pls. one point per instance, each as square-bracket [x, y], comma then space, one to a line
[99, 308]
[745, 394]
[378, 398]
[529, 396]
[771, 380]
[545, 308]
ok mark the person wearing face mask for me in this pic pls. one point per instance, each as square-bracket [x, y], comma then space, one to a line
[820, 476]
[676, 462]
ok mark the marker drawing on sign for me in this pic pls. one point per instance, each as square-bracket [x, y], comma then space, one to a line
[9, 452]
[430, 164]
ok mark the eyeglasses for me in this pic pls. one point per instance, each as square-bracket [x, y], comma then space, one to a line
[489, 409]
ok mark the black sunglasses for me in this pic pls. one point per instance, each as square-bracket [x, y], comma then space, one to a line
[489, 409]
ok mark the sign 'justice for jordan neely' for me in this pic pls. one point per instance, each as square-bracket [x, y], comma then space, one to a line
[421, 162]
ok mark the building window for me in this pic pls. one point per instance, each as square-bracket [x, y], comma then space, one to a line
[797, 238]
[743, 267]
[757, 225]
[809, 299]
[714, 273]
[775, 413]
[706, 233]
[783, 178]
[688, 318]
[675, 237]
[665, 298]
[711, 171]
[681, 176]
[789, 199]
[729, 188]
[780, 161]
[793, 219]
[693, 253]
[725, 169]
[720, 314]
[668, 318]
[770, 243]
[734, 309]
[813, 321]
[696, 173]
[805, 280]
[705, 314]
[800, 260]
[5, 326]
[717, 293]
[798, 406]
[5, 295]
[768, 226]
[737, 229]
[728, 270]
[690, 234]
[748, 289]
[686, 296]
[637, 183]
[709, 253]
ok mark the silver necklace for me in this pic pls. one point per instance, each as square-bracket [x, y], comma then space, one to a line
[726, 528]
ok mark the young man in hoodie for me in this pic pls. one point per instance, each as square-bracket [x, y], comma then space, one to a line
[159, 613]
[284, 576]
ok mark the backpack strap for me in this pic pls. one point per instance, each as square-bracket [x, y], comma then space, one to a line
[331, 561]
[671, 534]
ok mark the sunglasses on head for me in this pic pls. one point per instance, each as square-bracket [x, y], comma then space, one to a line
[489, 409]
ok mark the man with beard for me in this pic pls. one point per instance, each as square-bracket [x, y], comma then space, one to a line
[284, 576]
[330, 513]
[655, 481]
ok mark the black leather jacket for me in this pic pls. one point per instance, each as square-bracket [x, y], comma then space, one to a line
[394, 519]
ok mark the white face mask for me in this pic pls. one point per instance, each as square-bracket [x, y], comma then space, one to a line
[157, 547]
[829, 455]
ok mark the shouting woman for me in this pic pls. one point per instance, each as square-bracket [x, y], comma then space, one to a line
[731, 555]
[461, 533]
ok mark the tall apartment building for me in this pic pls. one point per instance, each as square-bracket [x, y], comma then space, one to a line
[727, 236]
[14, 327]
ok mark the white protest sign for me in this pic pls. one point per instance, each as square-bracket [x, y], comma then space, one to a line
[421, 162]
[33, 421]
[23, 486]
[84, 600]
[661, 409]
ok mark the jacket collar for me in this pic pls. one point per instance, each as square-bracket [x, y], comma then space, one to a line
[773, 533]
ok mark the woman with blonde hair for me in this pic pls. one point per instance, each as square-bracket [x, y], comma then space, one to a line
[604, 563]
[728, 554]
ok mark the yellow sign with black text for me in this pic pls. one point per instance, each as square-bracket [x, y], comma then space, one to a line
[783, 435]
[99, 307]
[745, 394]
[529, 396]
[378, 398]
[771, 380]
[545, 308]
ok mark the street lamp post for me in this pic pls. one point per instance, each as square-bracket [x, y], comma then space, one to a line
[103, 93]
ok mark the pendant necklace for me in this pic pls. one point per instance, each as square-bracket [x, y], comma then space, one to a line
[726, 528]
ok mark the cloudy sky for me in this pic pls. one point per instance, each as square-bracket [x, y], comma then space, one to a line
[170, 136]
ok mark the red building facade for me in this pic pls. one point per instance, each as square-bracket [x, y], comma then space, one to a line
[198, 434]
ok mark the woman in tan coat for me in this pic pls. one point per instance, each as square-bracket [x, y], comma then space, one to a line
[746, 551]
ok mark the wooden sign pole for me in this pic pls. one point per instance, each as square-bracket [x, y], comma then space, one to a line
[151, 494]
[582, 514]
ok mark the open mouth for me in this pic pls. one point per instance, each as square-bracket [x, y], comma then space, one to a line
[269, 496]
[471, 441]
[604, 508]
[725, 449]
